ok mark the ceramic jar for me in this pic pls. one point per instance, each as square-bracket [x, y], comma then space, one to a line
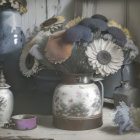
[77, 103]
[6, 101]
[127, 93]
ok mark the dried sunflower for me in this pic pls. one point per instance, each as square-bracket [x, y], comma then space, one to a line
[28, 64]
[74, 22]
[32, 68]
[53, 24]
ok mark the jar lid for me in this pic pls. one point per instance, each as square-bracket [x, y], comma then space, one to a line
[3, 81]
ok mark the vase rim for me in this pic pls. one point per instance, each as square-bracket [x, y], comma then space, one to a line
[77, 78]
[4, 87]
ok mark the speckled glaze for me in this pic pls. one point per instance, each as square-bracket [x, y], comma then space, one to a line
[80, 100]
[77, 97]
[6, 104]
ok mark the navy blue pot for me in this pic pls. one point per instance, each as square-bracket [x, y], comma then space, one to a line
[46, 81]
[126, 74]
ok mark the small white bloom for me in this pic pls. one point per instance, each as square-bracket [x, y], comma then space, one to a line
[104, 56]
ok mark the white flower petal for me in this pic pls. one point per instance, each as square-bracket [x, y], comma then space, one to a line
[116, 56]
[102, 72]
[107, 69]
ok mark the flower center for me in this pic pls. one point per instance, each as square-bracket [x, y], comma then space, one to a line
[104, 57]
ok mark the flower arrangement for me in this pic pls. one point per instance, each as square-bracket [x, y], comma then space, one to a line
[19, 5]
[83, 45]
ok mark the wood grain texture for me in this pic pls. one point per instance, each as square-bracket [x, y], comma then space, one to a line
[39, 10]
[78, 8]
[113, 9]
[85, 8]
[105, 7]
[89, 8]
[35, 15]
[60, 7]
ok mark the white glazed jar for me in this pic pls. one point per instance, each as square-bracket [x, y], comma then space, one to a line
[6, 101]
[77, 103]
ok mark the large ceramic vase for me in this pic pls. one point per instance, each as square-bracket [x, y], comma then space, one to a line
[11, 42]
[77, 103]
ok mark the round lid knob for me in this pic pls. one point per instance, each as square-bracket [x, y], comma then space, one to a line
[3, 81]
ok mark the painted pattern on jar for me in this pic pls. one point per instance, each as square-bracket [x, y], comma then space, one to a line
[77, 100]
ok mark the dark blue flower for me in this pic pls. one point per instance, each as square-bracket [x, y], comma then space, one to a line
[118, 35]
[94, 24]
[101, 17]
[77, 33]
